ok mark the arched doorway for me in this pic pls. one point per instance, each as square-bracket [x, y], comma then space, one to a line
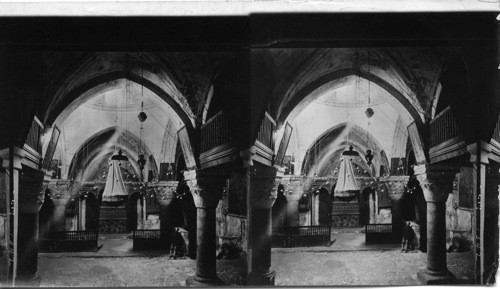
[89, 212]
[324, 207]
[279, 211]
[367, 207]
[136, 213]
[45, 215]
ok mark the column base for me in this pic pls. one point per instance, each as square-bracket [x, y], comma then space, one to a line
[262, 279]
[435, 278]
[199, 282]
[28, 281]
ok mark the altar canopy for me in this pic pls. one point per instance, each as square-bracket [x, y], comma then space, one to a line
[347, 186]
[115, 190]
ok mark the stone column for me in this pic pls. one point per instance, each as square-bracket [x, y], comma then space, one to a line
[61, 193]
[31, 195]
[82, 214]
[206, 191]
[262, 182]
[437, 183]
[396, 186]
[165, 194]
[297, 185]
[479, 153]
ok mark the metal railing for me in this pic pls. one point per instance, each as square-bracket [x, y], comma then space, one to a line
[443, 127]
[146, 234]
[379, 234]
[214, 132]
[298, 236]
[68, 241]
[71, 236]
[379, 228]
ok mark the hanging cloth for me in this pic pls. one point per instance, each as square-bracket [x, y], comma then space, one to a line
[347, 186]
[115, 189]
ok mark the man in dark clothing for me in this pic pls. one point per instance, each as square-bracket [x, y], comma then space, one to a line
[178, 247]
[408, 242]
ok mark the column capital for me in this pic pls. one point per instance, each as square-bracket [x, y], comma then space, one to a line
[165, 192]
[205, 187]
[61, 191]
[479, 150]
[436, 181]
[18, 157]
[264, 181]
[32, 188]
[295, 183]
[396, 186]
[247, 156]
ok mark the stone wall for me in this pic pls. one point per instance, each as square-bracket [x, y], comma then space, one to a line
[230, 228]
[384, 216]
[458, 220]
[3, 232]
[152, 222]
[72, 223]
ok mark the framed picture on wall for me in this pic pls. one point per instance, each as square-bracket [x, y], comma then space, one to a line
[51, 148]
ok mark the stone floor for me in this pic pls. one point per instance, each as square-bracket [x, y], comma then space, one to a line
[116, 265]
[129, 271]
[348, 261]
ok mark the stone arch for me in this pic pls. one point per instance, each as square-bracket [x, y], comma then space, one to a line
[87, 157]
[339, 78]
[85, 91]
[358, 132]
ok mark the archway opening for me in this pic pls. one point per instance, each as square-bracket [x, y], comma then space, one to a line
[279, 211]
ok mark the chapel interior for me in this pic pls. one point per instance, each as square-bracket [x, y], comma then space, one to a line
[255, 132]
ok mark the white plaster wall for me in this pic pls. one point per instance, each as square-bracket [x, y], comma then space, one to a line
[317, 118]
[85, 121]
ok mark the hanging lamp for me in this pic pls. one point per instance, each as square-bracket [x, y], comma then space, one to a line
[142, 118]
[115, 190]
[347, 187]
[369, 113]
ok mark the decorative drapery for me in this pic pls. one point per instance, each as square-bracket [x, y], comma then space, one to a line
[115, 189]
[347, 187]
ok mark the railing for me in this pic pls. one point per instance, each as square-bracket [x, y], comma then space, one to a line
[443, 127]
[34, 134]
[496, 132]
[69, 241]
[379, 228]
[146, 234]
[149, 240]
[379, 233]
[215, 132]
[265, 135]
[299, 236]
